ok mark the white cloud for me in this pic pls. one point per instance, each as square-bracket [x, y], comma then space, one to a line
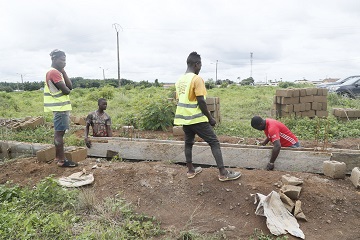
[289, 39]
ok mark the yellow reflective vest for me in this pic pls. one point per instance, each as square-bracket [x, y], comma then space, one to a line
[187, 112]
[55, 101]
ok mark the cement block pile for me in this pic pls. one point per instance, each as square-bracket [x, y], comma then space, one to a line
[301, 102]
[346, 113]
[290, 193]
[26, 123]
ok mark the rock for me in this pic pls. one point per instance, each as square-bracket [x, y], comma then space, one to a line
[291, 191]
[291, 180]
[298, 213]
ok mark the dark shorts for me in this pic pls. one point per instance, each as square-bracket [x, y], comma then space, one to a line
[61, 120]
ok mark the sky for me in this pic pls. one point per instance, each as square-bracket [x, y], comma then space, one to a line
[282, 40]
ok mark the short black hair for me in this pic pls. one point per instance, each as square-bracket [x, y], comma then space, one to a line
[193, 58]
[56, 54]
[100, 100]
[256, 121]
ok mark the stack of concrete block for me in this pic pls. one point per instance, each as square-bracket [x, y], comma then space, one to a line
[213, 105]
[27, 123]
[346, 113]
[300, 102]
[289, 195]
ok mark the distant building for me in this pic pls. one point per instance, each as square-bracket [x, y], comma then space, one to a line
[302, 81]
[329, 80]
[168, 85]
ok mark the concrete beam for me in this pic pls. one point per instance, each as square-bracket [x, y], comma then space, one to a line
[234, 155]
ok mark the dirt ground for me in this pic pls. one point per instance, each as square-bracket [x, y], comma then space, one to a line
[204, 204]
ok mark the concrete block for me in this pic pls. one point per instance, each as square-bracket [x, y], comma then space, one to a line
[355, 177]
[284, 92]
[298, 213]
[288, 203]
[322, 113]
[296, 92]
[212, 100]
[77, 154]
[302, 92]
[292, 192]
[316, 106]
[307, 99]
[289, 108]
[324, 106]
[46, 154]
[334, 169]
[320, 99]
[291, 180]
[311, 91]
[289, 100]
[297, 107]
[178, 131]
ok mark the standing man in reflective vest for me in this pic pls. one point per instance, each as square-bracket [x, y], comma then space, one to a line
[56, 99]
[193, 115]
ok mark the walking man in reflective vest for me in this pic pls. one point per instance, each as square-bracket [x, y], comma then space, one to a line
[193, 115]
[56, 99]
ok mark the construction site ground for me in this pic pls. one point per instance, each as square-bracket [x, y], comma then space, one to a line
[204, 204]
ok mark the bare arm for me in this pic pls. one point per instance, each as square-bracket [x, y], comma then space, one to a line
[275, 151]
[87, 140]
[108, 130]
[265, 142]
[203, 107]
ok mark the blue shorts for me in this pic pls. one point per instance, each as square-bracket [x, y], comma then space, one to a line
[61, 120]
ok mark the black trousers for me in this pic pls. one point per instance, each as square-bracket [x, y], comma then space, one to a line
[206, 132]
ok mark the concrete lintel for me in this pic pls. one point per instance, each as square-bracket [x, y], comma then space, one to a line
[234, 156]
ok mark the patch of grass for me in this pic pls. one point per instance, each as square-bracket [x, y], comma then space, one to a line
[259, 235]
[51, 212]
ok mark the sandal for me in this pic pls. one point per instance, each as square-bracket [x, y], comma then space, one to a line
[67, 163]
[192, 175]
[230, 176]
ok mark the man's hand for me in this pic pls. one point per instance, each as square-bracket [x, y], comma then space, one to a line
[212, 122]
[88, 142]
[270, 166]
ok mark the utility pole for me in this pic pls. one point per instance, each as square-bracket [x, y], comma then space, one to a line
[251, 56]
[216, 71]
[103, 70]
[117, 28]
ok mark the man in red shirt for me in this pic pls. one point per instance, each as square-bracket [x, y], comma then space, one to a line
[277, 133]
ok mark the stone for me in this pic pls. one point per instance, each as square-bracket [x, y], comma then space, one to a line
[291, 180]
[291, 191]
[334, 169]
[355, 177]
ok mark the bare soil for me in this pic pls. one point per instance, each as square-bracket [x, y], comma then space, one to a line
[204, 204]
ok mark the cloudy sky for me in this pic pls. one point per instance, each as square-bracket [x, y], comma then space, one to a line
[288, 39]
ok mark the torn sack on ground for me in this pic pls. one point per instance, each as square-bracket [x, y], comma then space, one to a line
[278, 219]
[77, 179]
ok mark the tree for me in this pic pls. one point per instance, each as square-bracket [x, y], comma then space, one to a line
[247, 81]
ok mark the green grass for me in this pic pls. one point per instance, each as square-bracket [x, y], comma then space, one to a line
[52, 212]
[148, 108]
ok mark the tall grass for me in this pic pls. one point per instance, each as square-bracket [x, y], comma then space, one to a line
[238, 104]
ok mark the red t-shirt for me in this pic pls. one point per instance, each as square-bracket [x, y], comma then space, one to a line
[54, 76]
[276, 130]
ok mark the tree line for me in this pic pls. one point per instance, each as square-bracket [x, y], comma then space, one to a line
[78, 82]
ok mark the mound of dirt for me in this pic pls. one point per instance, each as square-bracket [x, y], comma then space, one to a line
[205, 204]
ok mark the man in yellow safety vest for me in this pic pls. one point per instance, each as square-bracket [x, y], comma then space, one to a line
[56, 99]
[193, 115]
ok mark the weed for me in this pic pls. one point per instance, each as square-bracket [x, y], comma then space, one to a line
[259, 235]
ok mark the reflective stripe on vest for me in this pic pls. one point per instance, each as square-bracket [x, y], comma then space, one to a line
[187, 112]
[55, 102]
